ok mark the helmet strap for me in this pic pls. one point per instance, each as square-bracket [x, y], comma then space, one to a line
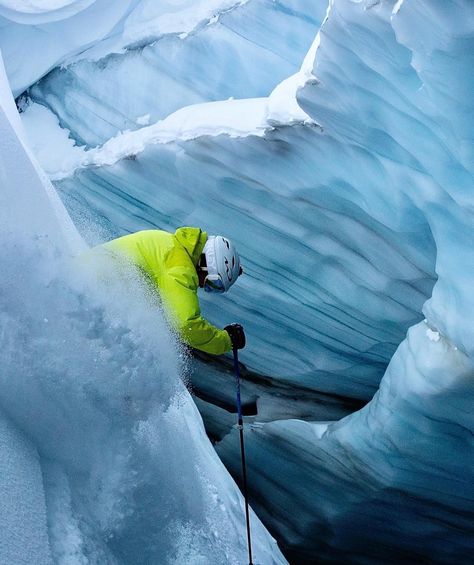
[202, 263]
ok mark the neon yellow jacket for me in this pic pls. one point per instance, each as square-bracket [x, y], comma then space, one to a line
[169, 262]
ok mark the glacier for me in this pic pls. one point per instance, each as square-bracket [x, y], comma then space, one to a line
[339, 157]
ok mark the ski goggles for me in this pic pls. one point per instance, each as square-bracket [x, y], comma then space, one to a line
[213, 283]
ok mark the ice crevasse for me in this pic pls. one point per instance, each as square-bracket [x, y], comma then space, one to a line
[103, 455]
[349, 188]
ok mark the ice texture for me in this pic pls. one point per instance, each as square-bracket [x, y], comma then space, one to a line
[96, 100]
[20, 168]
[104, 457]
[37, 36]
[344, 286]
[348, 191]
[24, 536]
[398, 474]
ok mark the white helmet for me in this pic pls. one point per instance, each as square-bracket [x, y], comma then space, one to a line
[222, 264]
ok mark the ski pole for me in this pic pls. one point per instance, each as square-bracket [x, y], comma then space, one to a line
[242, 452]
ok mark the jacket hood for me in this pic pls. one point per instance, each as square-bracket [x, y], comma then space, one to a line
[193, 240]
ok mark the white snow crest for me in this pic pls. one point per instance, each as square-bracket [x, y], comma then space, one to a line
[397, 7]
[283, 107]
[60, 156]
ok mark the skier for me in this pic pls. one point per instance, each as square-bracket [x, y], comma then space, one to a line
[175, 265]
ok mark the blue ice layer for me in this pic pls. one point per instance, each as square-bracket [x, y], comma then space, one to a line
[245, 53]
[329, 291]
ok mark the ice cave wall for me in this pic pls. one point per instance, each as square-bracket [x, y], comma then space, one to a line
[359, 259]
[350, 216]
[220, 57]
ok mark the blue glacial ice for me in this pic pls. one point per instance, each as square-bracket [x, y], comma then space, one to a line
[104, 457]
[38, 35]
[345, 177]
[96, 100]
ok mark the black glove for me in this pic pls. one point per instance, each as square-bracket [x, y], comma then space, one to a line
[237, 335]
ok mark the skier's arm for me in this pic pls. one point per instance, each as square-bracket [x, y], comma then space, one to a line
[178, 291]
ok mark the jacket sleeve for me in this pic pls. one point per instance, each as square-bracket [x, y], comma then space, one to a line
[178, 291]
